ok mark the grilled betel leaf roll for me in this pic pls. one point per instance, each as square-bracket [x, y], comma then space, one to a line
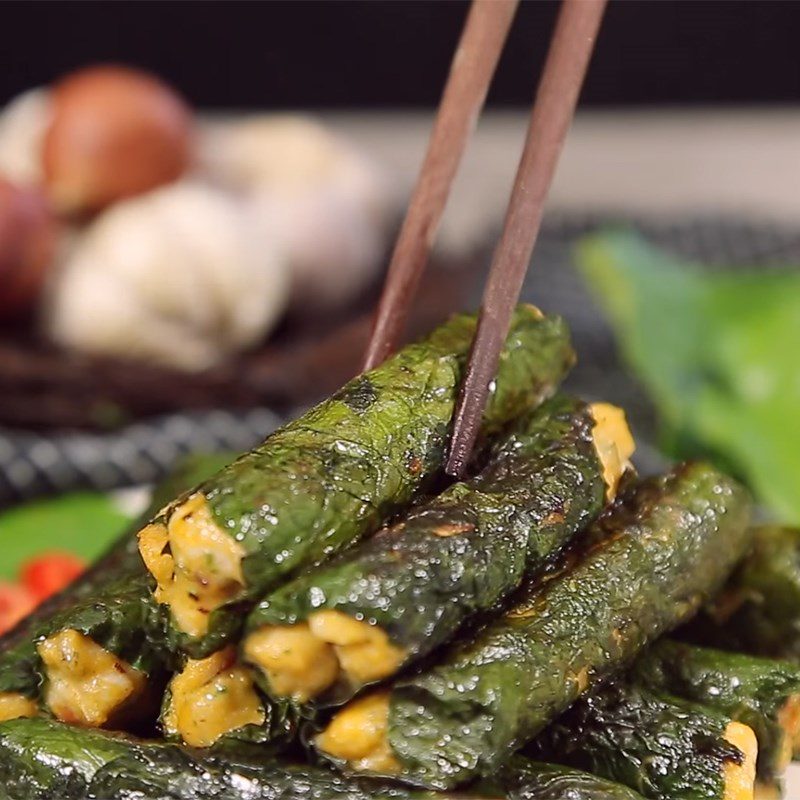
[661, 746]
[649, 561]
[332, 476]
[376, 608]
[84, 653]
[762, 693]
[758, 611]
[42, 759]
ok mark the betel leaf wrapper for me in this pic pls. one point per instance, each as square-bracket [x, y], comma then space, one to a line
[394, 598]
[332, 476]
[660, 551]
[660, 746]
[762, 693]
[42, 759]
[107, 603]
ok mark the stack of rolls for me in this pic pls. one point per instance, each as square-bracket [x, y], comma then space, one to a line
[328, 617]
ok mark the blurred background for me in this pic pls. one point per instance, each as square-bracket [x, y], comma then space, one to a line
[197, 202]
[395, 54]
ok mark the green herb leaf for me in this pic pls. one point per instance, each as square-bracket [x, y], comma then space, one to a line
[718, 354]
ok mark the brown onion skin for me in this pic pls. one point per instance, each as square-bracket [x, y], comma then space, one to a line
[114, 132]
[29, 236]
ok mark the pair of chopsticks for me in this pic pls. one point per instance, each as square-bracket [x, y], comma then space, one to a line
[471, 71]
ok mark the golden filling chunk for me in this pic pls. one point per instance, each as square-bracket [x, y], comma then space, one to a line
[358, 735]
[212, 697]
[739, 779]
[197, 566]
[86, 685]
[295, 662]
[14, 705]
[613, 442]
[301, 661]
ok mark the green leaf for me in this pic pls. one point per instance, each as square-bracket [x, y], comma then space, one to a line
[717, 352]
[83, 523]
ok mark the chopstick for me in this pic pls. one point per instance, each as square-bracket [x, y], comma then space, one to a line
[471, 71]
[567, 60]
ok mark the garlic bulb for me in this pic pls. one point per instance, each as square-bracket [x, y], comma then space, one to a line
[327, 204]
[180, 276]
[23, 123]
